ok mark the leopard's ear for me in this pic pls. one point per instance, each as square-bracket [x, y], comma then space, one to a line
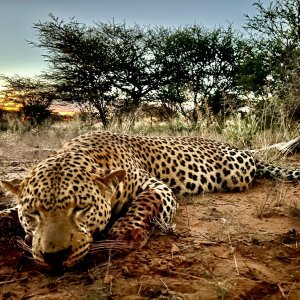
[114, 178]
[12, 186]
[110, 181]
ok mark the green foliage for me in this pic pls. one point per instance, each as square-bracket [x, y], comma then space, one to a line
[277, 28]
[109, 67]
[253, 73]
[203, 65]
[137, 69]
[114, 70]
[80, 61]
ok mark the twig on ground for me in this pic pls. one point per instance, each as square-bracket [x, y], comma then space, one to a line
[12, 280]
[164, 284]
[233, 253]
[188, 217]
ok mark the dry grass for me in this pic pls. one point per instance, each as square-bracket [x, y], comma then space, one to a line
[275, 203]
[242, 132]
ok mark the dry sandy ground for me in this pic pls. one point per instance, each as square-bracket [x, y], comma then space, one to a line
[224, 246]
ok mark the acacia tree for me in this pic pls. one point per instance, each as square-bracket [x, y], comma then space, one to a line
[202, 65]
[111, 67]
[79, 63]
[137, 68]
[34, 95]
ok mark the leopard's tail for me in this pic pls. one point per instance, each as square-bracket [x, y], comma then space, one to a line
[291, 146]
[272, 172]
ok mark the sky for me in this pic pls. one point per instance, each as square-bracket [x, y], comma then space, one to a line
[18, 16]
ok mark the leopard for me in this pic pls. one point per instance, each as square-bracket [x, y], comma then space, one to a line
[123, 185]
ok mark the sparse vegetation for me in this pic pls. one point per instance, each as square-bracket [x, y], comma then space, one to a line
[275, 202]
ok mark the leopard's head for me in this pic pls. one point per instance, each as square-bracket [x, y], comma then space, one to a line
[62, 202]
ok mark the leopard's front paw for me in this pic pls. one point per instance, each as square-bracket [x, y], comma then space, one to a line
[134, 237]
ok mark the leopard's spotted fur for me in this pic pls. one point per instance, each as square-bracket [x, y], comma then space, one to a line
[70, 196]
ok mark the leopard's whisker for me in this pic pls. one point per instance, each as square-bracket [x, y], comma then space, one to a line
[23, 245]
[108, 244]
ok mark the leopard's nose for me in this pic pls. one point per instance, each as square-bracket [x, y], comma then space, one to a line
[57, 258]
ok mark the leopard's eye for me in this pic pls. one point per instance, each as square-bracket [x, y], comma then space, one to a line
[81, 210]
[34, 214]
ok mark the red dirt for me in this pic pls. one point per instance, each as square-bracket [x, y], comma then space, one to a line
[224, 246]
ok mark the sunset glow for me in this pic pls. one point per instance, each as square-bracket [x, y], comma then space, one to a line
[67, 113]
[10, 105]
[13, 106]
